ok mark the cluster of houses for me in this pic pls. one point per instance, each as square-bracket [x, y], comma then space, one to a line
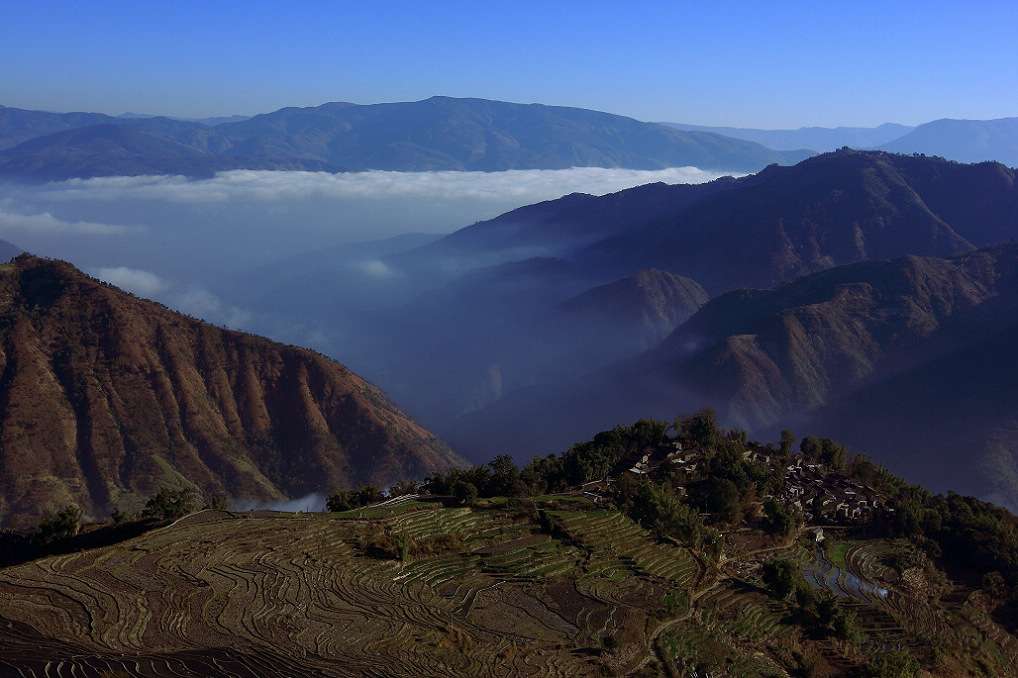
[818, 494]
[823, 496]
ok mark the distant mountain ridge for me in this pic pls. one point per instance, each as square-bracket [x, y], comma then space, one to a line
[105, 397]
[967, 141]
[440, 133]
[962, 140]
[818, 139]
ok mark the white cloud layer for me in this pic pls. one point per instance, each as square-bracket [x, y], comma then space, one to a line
[188, 243]
[142, 283]
[16, 222]
[312, 503]
[269, 186]
[196, 229]
[190, 299]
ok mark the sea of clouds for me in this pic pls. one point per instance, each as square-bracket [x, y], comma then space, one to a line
[178, 240]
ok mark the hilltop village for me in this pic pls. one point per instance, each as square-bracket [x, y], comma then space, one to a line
[818, 493]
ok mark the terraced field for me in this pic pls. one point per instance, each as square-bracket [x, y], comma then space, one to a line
[482, 593]
[219, 594]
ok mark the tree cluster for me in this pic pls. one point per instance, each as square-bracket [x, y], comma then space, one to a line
[595, 459]
[784, 578]
[169, 504]
[658, 509]
[56, 526]
[347, 500]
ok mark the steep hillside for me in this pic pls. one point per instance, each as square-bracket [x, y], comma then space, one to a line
[759, 230]
[919, 348]
[640, 310]
[790, 221]
[790, 348]
[106, 397]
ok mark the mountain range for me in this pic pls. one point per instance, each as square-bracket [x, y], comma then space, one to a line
[106, 398]
[440, 133]
[527, 332]
[443, 133]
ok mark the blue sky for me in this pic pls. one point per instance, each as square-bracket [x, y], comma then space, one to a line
[748, 64]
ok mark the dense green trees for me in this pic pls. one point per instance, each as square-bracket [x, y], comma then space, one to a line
[55, 526]
[824, 451]
[595, 459]
[169, 504]
[784, 577]
[657, 508]
[346, 500]
[781, 520]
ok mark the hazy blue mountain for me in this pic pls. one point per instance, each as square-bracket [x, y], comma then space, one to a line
[814, 138]
[760, 230]
[631, 314]
[963, 140]
[440, 133]
[832, 209]
[919, 348]
[211, 122]
[478, 356]
[8, 251]
[123, 150]
[476, 134]
[17, 125]
[923, 346]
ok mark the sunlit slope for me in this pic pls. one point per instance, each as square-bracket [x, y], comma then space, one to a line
[105, 397]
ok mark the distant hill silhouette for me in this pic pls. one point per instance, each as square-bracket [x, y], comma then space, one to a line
[105, 397]
[118, 149]
[959, 140]
[8, 251]
[963, 140]
[18, 125]
[818, 139]
[440, 133]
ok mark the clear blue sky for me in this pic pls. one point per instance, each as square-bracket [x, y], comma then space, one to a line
[748, 64]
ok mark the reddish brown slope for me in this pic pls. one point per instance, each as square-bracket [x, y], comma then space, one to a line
[105, 397]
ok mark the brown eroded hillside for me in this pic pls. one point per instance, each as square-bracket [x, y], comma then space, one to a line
[105, 397]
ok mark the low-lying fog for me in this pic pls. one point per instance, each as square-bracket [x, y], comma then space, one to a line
[303, 258]
[176, 240]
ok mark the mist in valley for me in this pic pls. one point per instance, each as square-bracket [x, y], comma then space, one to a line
[348, 264]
